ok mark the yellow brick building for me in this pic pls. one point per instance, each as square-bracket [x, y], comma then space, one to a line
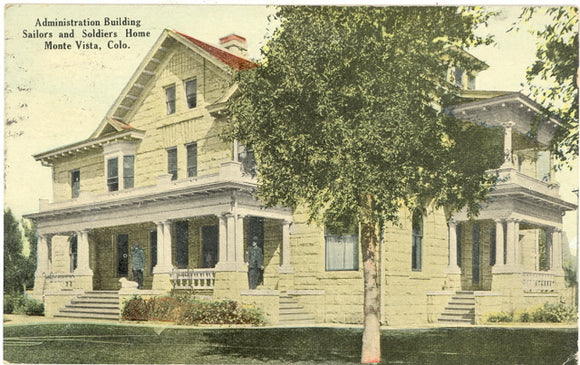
[155, 171]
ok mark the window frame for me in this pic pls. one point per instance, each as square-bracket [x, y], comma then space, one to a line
[417, 234]
[113, 180]
[190, 98]
[128, 174]
[170, 99]
[337, 239]
[191, 167]
[172, 166]
[75, 186]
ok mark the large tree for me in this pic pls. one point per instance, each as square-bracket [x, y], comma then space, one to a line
[344, 118]
[553, 77]
[17, 267]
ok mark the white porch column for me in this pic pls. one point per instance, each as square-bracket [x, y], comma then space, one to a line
[513, 233]
[452, 267]
[285, 267]
[231, 237]
[227, 243]
[83, 253]
[164, 264]
[239, 249]
[42, 256]
[507, 144]
[556, 251]
[499, 245]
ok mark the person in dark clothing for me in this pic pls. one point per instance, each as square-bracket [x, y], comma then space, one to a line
[255, 260]
[138, 264]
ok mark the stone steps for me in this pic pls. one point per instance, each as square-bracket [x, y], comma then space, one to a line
[459, 310]
[291, 313]
[92, 305]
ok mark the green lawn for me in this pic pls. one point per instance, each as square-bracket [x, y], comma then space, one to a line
[105, 343]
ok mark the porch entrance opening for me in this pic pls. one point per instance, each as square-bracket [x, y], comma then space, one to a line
[209, 246]
[122, 255]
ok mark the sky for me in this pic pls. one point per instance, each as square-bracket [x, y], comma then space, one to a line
[56, 97]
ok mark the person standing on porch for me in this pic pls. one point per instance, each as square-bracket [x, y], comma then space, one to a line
[255, 261]
[138, 264]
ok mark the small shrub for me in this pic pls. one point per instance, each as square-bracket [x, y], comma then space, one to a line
[554, 313]
[163, 308]
[500, 317]
[34, 308]
[136, 309]
[220, 312]
[8, 305]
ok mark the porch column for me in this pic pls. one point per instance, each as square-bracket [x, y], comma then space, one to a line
[513, 232]
[499, 247]
[83, 252]
[239, 249]
[556, 251]
[164, 264]
[285, 267]
[231, 237]
[164, 267]
[42, 265]
[452, 267]
[227, 242]
[507, 144]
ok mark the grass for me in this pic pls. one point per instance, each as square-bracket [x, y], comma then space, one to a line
[82, 343]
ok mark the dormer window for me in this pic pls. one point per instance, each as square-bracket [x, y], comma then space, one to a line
[119, 165]
[170, 99]
[191, 93]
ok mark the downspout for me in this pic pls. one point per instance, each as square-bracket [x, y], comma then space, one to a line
[382, 274]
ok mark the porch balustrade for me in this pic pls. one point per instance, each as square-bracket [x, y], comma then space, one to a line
[193, 278]
[61, 280]
[538, 282]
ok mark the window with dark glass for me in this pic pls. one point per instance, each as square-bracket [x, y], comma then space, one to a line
[113, 174]
[417, 244]
[191, 93]
[172, 162]
[492, 246]
[459, 229]
[152, 250]
[181, 244]
[75, 183]
[128, 171]
[170, 99]
[73, 252]
[191, 159]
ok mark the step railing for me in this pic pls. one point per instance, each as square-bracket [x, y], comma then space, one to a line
[538, 282]
[61, 280]
[193, 278]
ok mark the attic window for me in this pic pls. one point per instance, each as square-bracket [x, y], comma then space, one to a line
[170, 99]
[191, 93]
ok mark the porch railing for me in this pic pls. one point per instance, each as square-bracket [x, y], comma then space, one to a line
[193, 278]
[61, 280]
[538, 282]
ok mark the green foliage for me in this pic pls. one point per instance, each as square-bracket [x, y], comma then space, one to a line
[191, 312]
[547, 313]
[554, 74]
[18, 269]
[21, 303]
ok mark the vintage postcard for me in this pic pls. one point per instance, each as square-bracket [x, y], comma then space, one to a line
[139, 217]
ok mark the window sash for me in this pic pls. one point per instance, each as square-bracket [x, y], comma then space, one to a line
[172, 162]
[191, 159]
[341, 252]
[191, 93]
[170, 99]
[113, 174]
[128, 171]
[417, 242]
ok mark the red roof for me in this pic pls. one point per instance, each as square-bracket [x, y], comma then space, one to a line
[235, 62]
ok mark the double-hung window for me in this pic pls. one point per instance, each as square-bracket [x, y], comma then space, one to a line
[170, 99]
[417, 241]
[128, 171]
[191, 93]
[172, 162]
[341, 251]
[113, 174]
[191, 159]
[75, 183]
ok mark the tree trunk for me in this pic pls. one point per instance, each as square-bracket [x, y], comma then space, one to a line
[371, 343]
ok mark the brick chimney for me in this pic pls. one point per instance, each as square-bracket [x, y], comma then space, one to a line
[235, 44]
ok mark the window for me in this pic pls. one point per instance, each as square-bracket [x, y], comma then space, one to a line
[458, 77]
[128, 171]
[113, 174]
[191, 159]
[417, 244]
[459, 245]
[191, 93]
[471, 85]
[170, 99]
[475, 258]
[172, 162]
[75, 183]
[181, 245]
[341, 249]
[153, 249]
[73, 252]
[492, 246]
